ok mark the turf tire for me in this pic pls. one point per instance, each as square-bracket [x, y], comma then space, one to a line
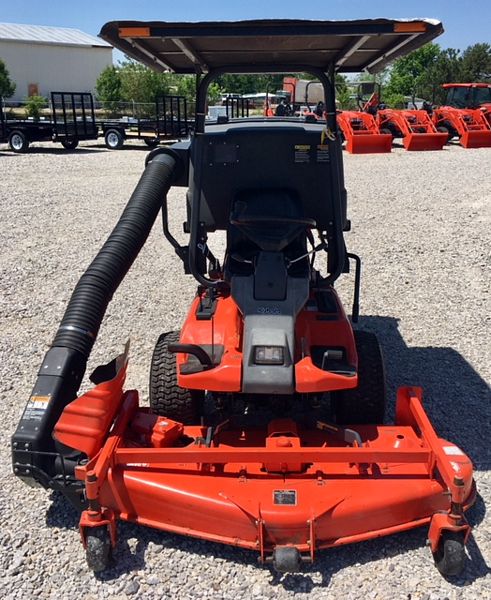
[365, 404]
[166, 397]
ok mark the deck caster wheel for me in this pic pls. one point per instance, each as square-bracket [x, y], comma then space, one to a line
[450, 555]
[287, 559]
[98, 548]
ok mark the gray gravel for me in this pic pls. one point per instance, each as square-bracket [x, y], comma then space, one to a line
[421, 222]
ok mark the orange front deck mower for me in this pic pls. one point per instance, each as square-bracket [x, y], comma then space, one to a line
[265, 426]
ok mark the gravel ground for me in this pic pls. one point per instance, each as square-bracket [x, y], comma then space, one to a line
[421, 222]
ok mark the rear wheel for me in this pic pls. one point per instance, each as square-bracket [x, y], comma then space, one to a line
[166, 397]
[364, 404]
[113, 139]
[70, 144]
[18, 141]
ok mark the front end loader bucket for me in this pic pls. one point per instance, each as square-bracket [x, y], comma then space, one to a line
[425, 141]
[370, 143]
[362, 133]
[476, 139]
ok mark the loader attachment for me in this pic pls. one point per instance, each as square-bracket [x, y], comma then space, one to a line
[476, 139]
[469, 125]
[424, 141]
[415, 127]
[362, 133]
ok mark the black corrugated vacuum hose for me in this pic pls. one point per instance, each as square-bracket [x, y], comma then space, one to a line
[64, 365]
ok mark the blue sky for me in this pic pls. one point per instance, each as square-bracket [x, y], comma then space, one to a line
[465, 22]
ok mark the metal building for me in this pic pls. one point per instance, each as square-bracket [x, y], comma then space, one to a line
[44, 59]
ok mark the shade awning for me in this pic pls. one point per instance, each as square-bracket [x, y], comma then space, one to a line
[351, 46]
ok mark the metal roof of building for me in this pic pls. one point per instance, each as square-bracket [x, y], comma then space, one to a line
[40, 34]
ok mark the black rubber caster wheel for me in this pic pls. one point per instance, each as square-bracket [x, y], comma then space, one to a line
[287, 560]
[450, 556]
[98, 548]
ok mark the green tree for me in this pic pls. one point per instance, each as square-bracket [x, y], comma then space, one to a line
[447, 68]
[476, 63]
[7, 86]
[409, 72]
[34, 105]
[141, 84]
[108, 85]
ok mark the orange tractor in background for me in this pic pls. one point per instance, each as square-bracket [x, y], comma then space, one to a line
[466, 114]
[414, 126]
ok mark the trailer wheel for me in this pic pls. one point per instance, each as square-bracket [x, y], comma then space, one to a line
[113, 139]
[166, 397]
[364, 404]
[70, 144]
[18, 141]
[151, 142]
[450, 555]
[98, 548]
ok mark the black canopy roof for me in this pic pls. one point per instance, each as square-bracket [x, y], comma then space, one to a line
[200, 47]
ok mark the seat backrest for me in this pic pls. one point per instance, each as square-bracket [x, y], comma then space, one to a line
[274, 156]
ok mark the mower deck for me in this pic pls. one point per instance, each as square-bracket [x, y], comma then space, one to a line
[304, 486]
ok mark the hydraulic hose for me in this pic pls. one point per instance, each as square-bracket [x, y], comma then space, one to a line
[61, 373]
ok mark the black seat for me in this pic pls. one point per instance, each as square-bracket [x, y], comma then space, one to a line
[266, 220]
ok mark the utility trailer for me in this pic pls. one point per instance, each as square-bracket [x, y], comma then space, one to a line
[72, 120]
[289, 454]
[168, 122]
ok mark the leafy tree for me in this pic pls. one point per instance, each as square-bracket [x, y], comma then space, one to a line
[34, 105]
[476, 63]
[447, 68]
[141, 84]
[7, 86]
[109, 85]
[409, 71]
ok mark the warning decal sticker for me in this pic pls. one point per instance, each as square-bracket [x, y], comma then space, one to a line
[36, 407]
[323, 153]
[302, 153]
